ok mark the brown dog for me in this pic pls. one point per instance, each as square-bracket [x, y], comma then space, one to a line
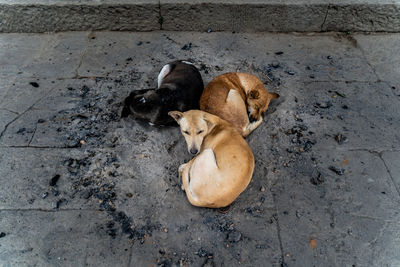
[232, 96]
[224, 165]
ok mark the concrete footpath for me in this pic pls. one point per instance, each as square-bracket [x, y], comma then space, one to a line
[200, 15]
[81, 187]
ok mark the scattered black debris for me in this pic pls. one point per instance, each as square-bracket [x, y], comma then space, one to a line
[345, 107]
[329, 57]
[2, 234]
[57, 204]
[312, 76]
[128, 59]
[275, 64]
[21, 131]
[54, 180]
[201, 253]
[319, 179]
[111, 230]
[187, 46]
[340, 94]
[34, 84]
[326, 104]
[341, 139]
[290, 72]
[234, 236]
[31, 201]
[55, 192]
[209, 30]
[278, 53]
[139, 43]
[86, 194]
[45, 194]
[41, 121]
[338, 171]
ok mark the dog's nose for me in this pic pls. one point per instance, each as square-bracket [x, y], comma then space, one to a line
[193, 151]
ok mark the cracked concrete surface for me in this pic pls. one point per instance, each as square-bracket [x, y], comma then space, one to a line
[81, 187]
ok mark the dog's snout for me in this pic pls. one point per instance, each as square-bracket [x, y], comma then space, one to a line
[194, 150]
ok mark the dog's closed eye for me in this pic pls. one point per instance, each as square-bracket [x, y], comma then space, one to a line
[199, 132]
[185, 132]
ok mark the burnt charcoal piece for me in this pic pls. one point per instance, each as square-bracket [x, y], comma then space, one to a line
[317, 180]
[338, 171]
[54, 180]
[341, 139]
[34, 84]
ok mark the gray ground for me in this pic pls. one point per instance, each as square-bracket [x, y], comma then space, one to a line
[80, 186]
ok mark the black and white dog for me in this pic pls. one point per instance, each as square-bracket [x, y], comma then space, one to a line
[179, 88]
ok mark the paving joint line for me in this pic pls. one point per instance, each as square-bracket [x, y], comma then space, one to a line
[278, 228]
[90, 34]
[390, 174]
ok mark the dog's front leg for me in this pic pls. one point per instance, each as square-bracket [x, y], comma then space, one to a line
[252, 126]
[180, 171]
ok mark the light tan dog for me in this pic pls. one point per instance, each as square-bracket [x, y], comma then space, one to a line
[224, 163]
[233, 95]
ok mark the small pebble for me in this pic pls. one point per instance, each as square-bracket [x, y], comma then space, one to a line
[234, 236]
[262, 188]
[209, 30]
[338, 171]
[312, 76]
[187, 46]
[329, 57]
[41, 120]
[275, 64]
[44, 195]
[139, 43]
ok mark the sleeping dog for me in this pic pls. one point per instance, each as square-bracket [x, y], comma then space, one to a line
[179, 88]
[239, 98]
[223, 165]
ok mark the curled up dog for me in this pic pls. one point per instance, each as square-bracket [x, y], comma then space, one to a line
[223, 164]
[179, 88]
[239, 98]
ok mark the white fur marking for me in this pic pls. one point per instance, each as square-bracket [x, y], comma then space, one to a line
[232, 93]
[164, 72]
[187, 62]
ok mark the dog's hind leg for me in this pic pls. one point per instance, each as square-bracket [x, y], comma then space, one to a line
[164, 72]
[238, 110]
[201, 170]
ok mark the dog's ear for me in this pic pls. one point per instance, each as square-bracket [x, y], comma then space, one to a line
[177, 115]
[254, 94]
[210, 122]
[273, 95]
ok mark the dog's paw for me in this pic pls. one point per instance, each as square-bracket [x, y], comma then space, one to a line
[180, 169]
